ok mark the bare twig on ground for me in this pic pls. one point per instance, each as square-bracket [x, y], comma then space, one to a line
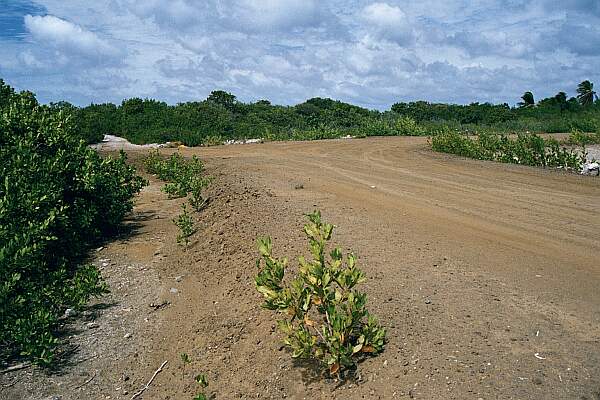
[157, 307]
[15, 368]
[150, 381]
[86, 382]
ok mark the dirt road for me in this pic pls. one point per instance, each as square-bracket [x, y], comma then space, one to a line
[487, 276]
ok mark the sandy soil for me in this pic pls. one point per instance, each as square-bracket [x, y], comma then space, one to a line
[485, 275]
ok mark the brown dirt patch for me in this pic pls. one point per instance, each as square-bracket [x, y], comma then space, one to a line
[474, 269]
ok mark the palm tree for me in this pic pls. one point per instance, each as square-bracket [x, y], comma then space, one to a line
[528, 100]
[586, 94]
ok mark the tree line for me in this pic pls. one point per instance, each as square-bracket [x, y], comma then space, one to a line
[222, 117]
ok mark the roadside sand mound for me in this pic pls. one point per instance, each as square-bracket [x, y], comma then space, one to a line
[112, 143]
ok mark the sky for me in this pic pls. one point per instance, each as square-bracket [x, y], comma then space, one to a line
[369, 53]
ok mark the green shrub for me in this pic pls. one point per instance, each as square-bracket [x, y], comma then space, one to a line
[452, 141]
[325, 316]
[185, 223]
[526, 149]
[213, 140]
[392, 126]
[197, 185]
[57, 197]
[583, 139]
[182, 175]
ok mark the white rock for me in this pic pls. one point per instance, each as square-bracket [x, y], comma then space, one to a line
[69, 312]
[591, 168]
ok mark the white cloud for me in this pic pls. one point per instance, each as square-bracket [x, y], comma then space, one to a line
[389, 22]
[66, 35]
[176, 14]
[272, 15]
[370, 52]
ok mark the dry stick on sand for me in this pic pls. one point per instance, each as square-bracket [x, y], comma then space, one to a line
[86, 382]
[150, 381]
[16, 368]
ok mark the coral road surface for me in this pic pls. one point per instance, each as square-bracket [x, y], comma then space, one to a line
[486, 277]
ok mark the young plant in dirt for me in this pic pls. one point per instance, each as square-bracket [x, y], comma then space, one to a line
[185, 223]
[196, 200]
[203, 382]
[325, 317]
[185, 359]
[183, 175]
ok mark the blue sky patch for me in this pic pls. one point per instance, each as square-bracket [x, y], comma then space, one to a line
[12, 13]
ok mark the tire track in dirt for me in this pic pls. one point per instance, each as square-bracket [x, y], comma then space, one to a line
[473, 268]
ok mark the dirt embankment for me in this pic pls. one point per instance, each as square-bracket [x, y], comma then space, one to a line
[485, 275]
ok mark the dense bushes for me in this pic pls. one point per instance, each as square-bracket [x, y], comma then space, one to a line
[221, 117]
[475, 113]
[57, 197]
[526, 149]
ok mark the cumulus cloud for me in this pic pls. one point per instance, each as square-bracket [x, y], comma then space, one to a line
[178, 14]
[487, 43]
[251, 16]
[273, 15]
[575, 36]
[66, 35]
[388, 22]
[369, 52]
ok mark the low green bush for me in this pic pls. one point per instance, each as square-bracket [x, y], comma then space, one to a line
[583, 139]
[393, 126]
[57, 197]
[526, 149]
[185, 223]
[325, 317]
[182, 175]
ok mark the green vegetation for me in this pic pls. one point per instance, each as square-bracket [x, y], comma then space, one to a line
[325, 317]
[57, 198]
[185, 223]
[185, 359]
[583, 139]
[586, 94]
[222, 117]
[202, 381]
[183, 176]
[526, 149]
